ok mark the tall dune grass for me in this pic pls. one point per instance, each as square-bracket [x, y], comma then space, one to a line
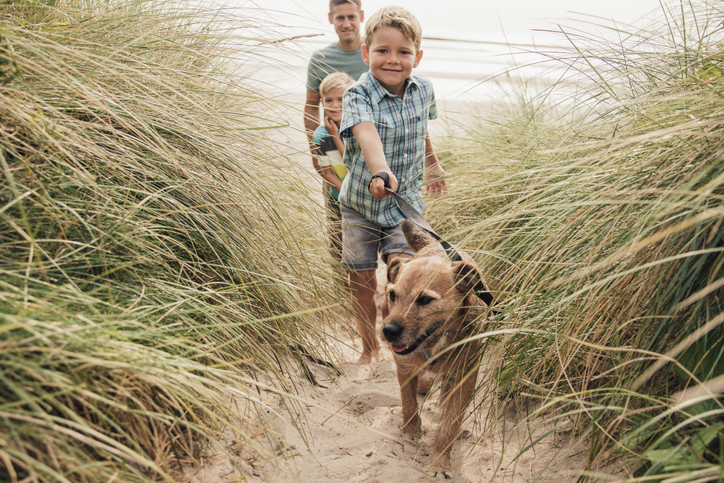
[154, 251]
[598, 221]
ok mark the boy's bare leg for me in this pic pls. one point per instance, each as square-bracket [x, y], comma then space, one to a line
[363, 286]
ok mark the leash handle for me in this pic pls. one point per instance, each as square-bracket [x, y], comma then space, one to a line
[384, 176]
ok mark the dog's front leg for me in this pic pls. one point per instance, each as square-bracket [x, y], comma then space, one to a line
[411, 424]
[454, 398]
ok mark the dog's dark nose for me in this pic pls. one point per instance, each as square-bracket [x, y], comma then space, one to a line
[392, 332]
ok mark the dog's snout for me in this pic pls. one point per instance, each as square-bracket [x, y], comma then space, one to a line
[392, 332]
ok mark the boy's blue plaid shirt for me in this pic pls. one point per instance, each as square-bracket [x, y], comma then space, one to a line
[402, 126]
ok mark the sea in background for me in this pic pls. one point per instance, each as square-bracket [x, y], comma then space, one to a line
[474, 52]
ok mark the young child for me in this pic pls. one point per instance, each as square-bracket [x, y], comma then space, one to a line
[384, 124]
[329, 149]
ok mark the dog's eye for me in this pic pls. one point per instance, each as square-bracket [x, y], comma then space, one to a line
[391, 295]
[423, 300]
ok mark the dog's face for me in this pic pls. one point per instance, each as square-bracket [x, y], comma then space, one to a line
[425, 297]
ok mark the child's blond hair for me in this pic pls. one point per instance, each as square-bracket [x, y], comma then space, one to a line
[395, 17]
[336, 80]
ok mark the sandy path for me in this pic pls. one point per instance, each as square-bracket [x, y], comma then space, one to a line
[351, 434]
[351, 426]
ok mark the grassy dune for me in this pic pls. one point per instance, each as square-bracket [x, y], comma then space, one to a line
[150, 253]
[152, 256]
[596, 209]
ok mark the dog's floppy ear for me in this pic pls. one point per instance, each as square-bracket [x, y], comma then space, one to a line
[416, 238]
[393, 270]
[467, 277]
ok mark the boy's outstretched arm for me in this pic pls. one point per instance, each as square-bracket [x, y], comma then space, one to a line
[434, 174]
[369, 141]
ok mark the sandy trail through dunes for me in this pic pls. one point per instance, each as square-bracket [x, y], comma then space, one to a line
[351, 434]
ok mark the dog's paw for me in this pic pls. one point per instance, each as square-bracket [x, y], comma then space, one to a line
[439, 465]
[413, 433]
[439, 471]
[413, 429]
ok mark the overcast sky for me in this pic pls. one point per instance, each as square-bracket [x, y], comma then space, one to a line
[496, 20]
[456, 68]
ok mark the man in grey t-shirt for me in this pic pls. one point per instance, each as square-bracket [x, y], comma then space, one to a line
[344, 55]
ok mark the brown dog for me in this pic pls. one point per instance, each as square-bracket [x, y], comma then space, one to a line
[430, 306]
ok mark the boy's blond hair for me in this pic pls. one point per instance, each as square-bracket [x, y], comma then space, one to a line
[336, 80]
[395, 17]
[334, 3]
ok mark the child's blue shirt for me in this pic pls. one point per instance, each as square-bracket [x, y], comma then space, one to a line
[402, 126]
[328, 155]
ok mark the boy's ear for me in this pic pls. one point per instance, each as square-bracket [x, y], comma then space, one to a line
[418, 57]
[365, 55]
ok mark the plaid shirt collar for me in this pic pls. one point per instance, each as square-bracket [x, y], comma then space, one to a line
[379, 92]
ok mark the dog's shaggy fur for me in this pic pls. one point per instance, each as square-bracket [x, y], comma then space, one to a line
[430, 305]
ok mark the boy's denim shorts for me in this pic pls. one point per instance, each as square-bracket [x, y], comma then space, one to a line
[363, 241]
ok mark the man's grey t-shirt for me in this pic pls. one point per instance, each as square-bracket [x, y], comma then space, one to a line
[334, 59]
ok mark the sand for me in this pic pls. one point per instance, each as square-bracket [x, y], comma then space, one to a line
[350, 424]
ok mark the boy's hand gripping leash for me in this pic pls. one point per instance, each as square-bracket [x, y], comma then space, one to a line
[414, 216]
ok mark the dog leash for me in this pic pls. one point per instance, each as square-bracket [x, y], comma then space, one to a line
[409, 212]
[414, 216]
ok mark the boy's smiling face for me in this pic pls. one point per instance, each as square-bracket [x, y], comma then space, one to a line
[391, 57]
[332, 103]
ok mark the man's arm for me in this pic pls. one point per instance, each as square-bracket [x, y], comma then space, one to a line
[311, 121]
[434, 174]
[374, 155]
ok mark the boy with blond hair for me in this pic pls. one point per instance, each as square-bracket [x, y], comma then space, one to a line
[384, 125]
[328, 148]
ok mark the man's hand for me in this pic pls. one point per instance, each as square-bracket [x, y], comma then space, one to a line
[435, 180]
[377, 187]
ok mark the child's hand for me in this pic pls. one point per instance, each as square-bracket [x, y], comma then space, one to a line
[331, 127]
[377, 187]
[435, 181]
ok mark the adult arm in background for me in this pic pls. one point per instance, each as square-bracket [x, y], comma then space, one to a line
[311, 121]
[434, 174]
[374, 155]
